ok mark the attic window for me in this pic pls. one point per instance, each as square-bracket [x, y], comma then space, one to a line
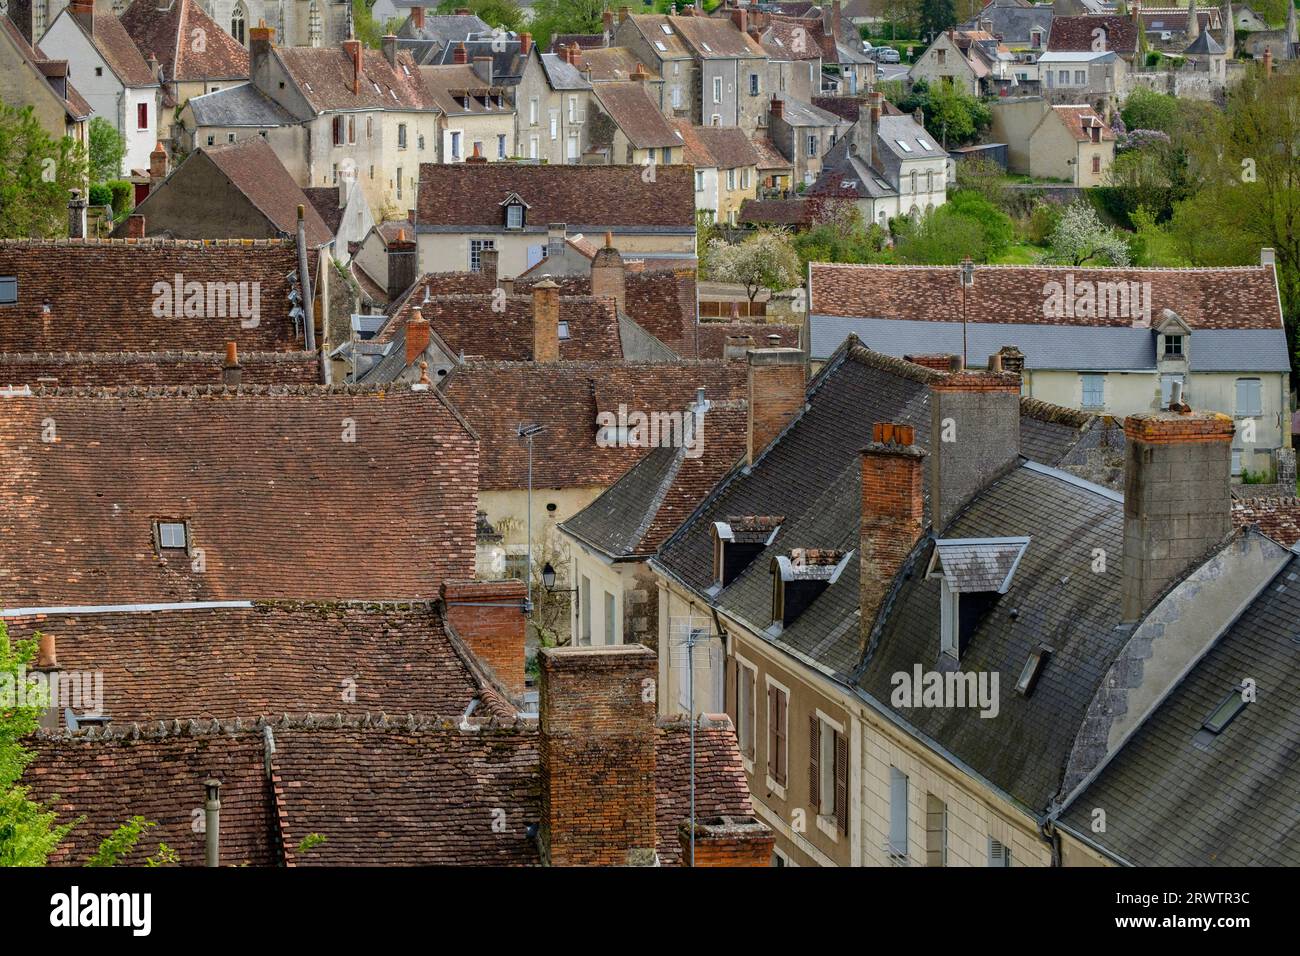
[924, 144]
[172, 537]
[738, 541]
[1226, 712]
[903, 146]
[8, 290]
[798, 580]
[1032, 669]
[973, 573]
[514, 216]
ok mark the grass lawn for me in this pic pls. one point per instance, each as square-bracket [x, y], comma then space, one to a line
[1020, 254]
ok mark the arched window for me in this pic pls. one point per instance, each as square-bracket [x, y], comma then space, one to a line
[237, 20]
[314, 29]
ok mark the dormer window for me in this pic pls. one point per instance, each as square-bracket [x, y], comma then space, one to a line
[514, 216]
[798, 580]
[1173, 346]
[172, 537]
[738, 541]
[972, 573]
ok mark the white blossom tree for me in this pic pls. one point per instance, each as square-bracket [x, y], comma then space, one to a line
[766, 260]
[1081, 237]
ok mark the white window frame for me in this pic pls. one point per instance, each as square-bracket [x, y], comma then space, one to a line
[717, 89]
[477, 246]
[898, 780]
[828, 823]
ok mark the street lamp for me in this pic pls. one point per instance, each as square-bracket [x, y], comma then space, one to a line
[548, 581]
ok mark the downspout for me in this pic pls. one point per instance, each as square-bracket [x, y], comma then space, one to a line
[304, 279]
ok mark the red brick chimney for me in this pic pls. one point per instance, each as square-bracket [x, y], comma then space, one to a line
[260, 39]
[727, 841]
[352, 48]
[939, 361]
[525, 43]
[974, 437]
[597, 744]
[1177, 497]
[489, 617]
[157, 166]
[46, 653]
[777, 107]
[740, 18]
[417, 336]
[893, 511]
[608, 278]
[83, 11]
[623, 14]
[477, 156]
[135, 226]
[417, 17]
[607, 20]
[776, 393]
[460, 54]
[546, 321]
[232, 373]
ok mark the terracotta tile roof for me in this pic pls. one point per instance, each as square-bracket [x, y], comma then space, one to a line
[1076, 34]
[170, 34]
[585, 41]
[630, 105]
[278, 499]
[1278, 518]
[325, 75]
[661, 301]
[325, 200]
[722, 147]
[587, 198]
[791, 40]
[265, 660]
[650, 26]
[714, 335]
[73, 102]
[382, 792]
[470, 325]
[426, 287]
[1078, 120]
[154, 368]
[567, 397]
[101, 295]
[456, 89]
[118, 50]
[715, 38]
[1237, 297]
[253, 168]
[769, 157]
[612, 63]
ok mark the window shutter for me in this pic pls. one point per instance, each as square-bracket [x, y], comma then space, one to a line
[782, 753]
[772, 767]
[733, 705]
[751, 692]
[842, 782]
[814, 762]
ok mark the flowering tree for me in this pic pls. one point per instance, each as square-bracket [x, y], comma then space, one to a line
[1081, 237]
[766, 260]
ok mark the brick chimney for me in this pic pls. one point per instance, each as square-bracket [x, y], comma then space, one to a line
[389, 45]
[402, 259]
[135, 226]
[232, 373]
[1268, 61]
[546, 321]
[83, 11]
[352, 48]
[1177, 501]
[622, 14]
[417, 337]
[488, 264]
[417, 17]
[483, 69]
[607, 21]
[1013, 360]
[939, 361]
[893, 511]
[608, 278]
[740, 18]
[489, 617]
[777, 107]
[460, 54]
[260, 39]
[727, 841]
[157, 166]
[47, 657]
[575, 54]
[974, 437]
[775, 394]
[525, 43]
[597, 744]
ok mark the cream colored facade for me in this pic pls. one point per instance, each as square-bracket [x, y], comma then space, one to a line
[493, 133]
[450, 251]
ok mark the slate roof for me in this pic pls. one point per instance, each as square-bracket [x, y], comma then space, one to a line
[1054, 346]
[74, 104]
[242, 105]
[154, 368]
[508, 64]
[1205, 45]
[1060, 601]
[1076, 33]
[1013, 23]
[82, 317]
[563, 75]
[265, 659]
[805, 114]
[1230, 297]
[589, 199]
[324, 76]
[975, 565]
[904, 127]
[278, 499]
[1175, 796]
[566, 397]
[382, 792]
[630, 105]
[635, 515]
[168, 35]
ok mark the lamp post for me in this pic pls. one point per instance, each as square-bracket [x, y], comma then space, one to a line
[529, 432]
[967, 281]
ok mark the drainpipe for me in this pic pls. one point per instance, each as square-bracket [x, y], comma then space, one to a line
[212, 821]
[305, 280]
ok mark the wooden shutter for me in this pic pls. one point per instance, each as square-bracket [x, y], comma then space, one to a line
[750, 693]
[842, 782]
[772, 739]
[814, 763]
[733, 681]
[781, 734]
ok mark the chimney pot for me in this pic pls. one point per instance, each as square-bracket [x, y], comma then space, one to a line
[46, 654]
[232, 372]
[417, 336]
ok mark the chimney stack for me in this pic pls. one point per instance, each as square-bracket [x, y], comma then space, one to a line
[727, 841]
[489, 617]
[212, 821]
[460, 54]
[607, 21]
[488, 264]
[232, 373]
[525, 43]
[1013, 360]
[777, 108]
[352, 48]
[157, 166]
[417, 336]
[83, 11]
[76, 216]
[47, 657]
[402, 257]
[389, 46]
[622, 14]
[546, 321]
[417, 17]
[608, 279]
[1177, 499]
[893, 511]
[483, 69]
[974, 437]
[260, 39]
[775, 394]
[1268, 61]
[740, 18]
[135, 226]
[597, 743]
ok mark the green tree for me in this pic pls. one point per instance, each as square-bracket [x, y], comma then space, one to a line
[37, 173]
[1081, 238]
[940, 239]
[552, 17]
[766, 260]
[369, 30]
[1148, 109]
[953, 116]
[935, 16]
[996, 225]
[107, 149]
[505, 14]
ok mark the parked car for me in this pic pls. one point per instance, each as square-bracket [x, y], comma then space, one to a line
[866, 46]
[886, 54]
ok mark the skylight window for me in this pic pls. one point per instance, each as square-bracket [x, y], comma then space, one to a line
[172, 536]
[666, 28]
[707, 48]
[1032, 669]
[924, 144]
[903, 146]
[659, 45]
[1228, 709]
